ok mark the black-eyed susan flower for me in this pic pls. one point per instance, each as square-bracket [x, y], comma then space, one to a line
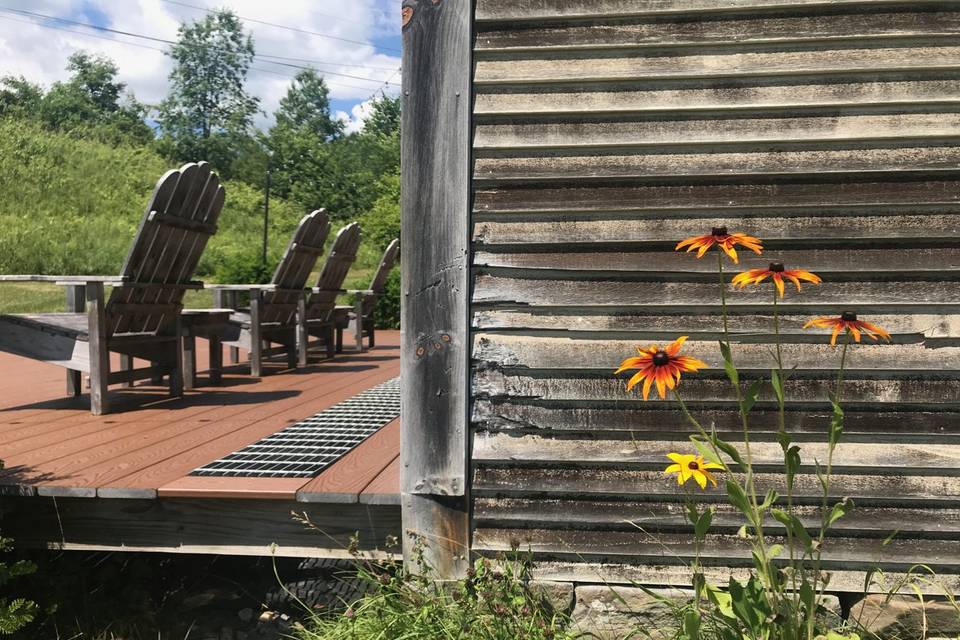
[689, 466]
[722, 240]
[660, 366]
[778, 273]
[848, 322]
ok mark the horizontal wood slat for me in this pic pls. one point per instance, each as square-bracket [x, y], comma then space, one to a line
[539, 11]
[686, 65]
[605, 131]
[730, 30]
[850, 457]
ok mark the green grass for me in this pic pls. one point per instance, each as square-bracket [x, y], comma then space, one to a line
[41, 297]
[71, 207]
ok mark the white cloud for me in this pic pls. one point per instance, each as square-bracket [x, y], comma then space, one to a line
[358, 115]
[40, 53]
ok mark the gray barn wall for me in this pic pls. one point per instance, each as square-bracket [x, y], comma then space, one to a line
[607, 130]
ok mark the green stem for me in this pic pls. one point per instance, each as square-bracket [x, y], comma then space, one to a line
[748, 480]
[824, 513]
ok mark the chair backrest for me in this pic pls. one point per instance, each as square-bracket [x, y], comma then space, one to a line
[342, 255]
[179, 220]
[379, 283]
[299, 259]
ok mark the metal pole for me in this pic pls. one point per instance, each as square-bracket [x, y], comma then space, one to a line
[266, 214]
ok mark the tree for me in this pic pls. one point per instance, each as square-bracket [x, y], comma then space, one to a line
[306, 108]
[207, 114]
[304, 126]
[384, 120]
[19, 97]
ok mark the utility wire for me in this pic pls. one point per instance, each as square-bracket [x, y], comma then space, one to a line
[146, 46]
[263, 57]
[295, 29]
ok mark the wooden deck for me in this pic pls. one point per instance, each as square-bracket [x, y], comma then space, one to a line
[80, 481]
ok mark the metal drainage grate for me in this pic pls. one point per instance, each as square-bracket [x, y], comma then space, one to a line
[305, 449]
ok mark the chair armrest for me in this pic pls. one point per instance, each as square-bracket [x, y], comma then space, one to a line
[318, 290]
[241, 287]
[362, 292]
[65, 280]
[109, 281]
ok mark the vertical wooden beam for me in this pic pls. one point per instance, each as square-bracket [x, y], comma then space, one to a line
[189, 359]
[435, 205]
[126, 364]
[76, 303]
[99, 352]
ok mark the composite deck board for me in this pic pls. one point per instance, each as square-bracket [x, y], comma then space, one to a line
[53, 446]
[347, 478]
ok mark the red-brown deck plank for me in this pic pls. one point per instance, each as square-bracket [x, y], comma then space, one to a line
[224, 487]
[344, 480]
[385, 488]
[59, 448]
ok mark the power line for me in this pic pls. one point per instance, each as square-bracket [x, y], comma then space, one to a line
[146, 46]
[289, 28]
[169, 42]
[209, 9]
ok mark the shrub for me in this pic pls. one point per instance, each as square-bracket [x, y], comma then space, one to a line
[15, 613]
[388, 305]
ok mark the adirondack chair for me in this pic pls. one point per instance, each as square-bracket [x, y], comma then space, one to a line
[362, 314]
[274, 308]
[141, 318]
[320, 316]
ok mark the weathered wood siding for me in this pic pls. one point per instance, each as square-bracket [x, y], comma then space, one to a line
[607, 130]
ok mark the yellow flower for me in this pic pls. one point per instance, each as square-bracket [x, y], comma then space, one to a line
[687, 466]
[776, 272]
[660, 366]
[720, 238]
[848, 321]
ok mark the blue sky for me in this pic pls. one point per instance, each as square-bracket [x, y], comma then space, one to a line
[354, 44]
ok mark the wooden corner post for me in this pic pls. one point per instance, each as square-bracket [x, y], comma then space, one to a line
[435, 206]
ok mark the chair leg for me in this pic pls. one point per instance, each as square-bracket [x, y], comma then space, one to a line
[177, 373]
[339, 339]
[370, 334]
[234, 355]
[256, 342]
[358, 333]
[126, 364]
[99, 351]
[216, 361]
[328, 334]
[189, 361]
[74, 383]
[76, 303]
[303, 337]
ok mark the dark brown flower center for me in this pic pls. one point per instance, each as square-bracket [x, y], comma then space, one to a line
[660, 358]
[848, 316]
[776, 267]
[693, 466]
[719, 231]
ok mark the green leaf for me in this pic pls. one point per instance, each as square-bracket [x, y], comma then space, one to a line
[721, 600]
[793, 524]
[750, 397]
[706, 451]
[777, 383]
[691, 624]
[774, 551]
[703, 523]
[739, 499]
[728, 449]
[839, 510]
[770, 498]
[731, 370]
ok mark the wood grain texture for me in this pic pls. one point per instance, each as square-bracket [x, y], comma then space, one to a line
[608, 130]
[435, 156]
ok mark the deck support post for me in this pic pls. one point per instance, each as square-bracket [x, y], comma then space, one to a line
[76, 303]
[435, 343]
[99, 353]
